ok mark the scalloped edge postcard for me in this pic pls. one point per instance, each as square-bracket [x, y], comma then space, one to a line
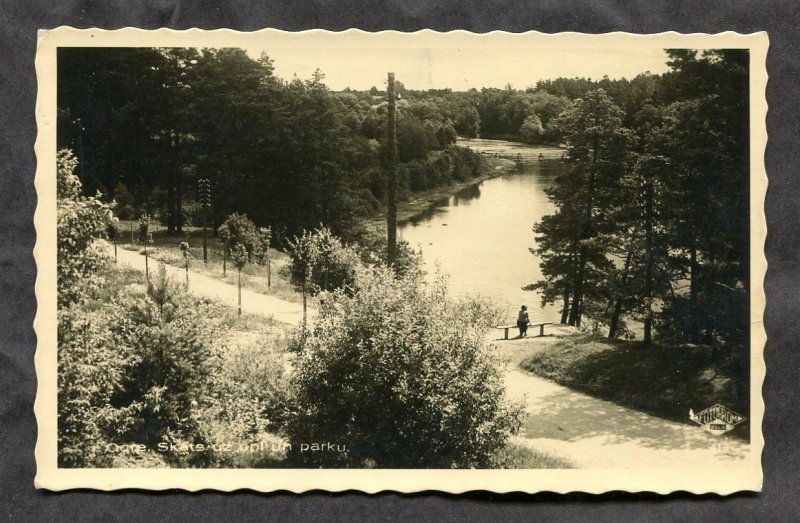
[400, 262]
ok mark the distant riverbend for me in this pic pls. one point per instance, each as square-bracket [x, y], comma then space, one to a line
[481, 236]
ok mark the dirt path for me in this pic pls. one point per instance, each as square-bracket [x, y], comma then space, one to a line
[252, 302]
[594, 433]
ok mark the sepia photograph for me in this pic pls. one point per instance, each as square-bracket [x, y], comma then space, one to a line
[407, 261]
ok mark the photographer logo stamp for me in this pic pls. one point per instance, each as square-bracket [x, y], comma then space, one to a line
[717, 419]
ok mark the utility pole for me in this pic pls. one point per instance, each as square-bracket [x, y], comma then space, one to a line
[391, 212]
[204, 186]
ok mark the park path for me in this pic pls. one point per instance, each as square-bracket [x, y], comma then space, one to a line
[201, 285]
[594, 433]
[590, 432]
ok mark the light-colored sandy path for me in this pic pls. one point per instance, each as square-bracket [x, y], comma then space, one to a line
[252, 302]
[594, 433]
[590, 432]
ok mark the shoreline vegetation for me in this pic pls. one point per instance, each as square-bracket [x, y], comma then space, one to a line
[421, 202]
[254, 277]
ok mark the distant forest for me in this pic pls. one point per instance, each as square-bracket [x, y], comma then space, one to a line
[651, 220]
[148, 124]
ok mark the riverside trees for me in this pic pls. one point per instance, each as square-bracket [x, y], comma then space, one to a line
[289, 154]
[573, 254]
[655, 201]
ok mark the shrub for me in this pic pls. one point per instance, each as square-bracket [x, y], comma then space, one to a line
[319, 262]
[402, 376]
[90, 370]
[142, 365]
[238, 229]
[175, 356]
[252, 394]
[80, 220]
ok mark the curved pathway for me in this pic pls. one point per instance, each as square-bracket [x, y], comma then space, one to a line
[590, 432]
[595, 433]
[201, 285]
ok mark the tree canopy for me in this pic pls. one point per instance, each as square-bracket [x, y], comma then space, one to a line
[649, 223]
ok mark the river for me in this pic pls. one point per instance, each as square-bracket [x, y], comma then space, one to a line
[481, 236]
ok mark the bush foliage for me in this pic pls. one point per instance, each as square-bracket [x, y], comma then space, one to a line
[80, 220]
[399, 374]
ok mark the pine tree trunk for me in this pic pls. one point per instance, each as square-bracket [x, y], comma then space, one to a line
[577, 297]
[614, 323]
[171, 209]
[693, 293]
[565, 309]
[648, 258]
[706, 302]
[179, 200]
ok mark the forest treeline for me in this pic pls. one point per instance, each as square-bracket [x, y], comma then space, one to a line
[652, 218]
[649, 224]
[149, 124]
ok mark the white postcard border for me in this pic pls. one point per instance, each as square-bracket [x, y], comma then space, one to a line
[49, 476]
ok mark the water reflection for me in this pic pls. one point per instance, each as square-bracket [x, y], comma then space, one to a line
[465, 195]
[482, 236]
[436, 208]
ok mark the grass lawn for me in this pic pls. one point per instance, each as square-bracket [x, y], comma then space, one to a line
[259, 278]
[520, 456]
[663, 380]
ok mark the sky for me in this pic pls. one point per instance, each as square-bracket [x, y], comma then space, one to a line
[453, 63]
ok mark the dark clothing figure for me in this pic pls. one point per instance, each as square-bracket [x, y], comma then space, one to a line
[522, 321]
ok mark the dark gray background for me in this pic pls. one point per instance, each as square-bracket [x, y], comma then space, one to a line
[19, 21]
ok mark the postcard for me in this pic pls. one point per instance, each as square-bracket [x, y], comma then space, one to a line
[400, 261]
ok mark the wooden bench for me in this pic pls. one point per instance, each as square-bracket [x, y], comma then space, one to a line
[539, 324]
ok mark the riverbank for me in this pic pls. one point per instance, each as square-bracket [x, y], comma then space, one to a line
[422, 202]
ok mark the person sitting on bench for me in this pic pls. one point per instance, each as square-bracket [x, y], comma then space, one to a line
[523, 321]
